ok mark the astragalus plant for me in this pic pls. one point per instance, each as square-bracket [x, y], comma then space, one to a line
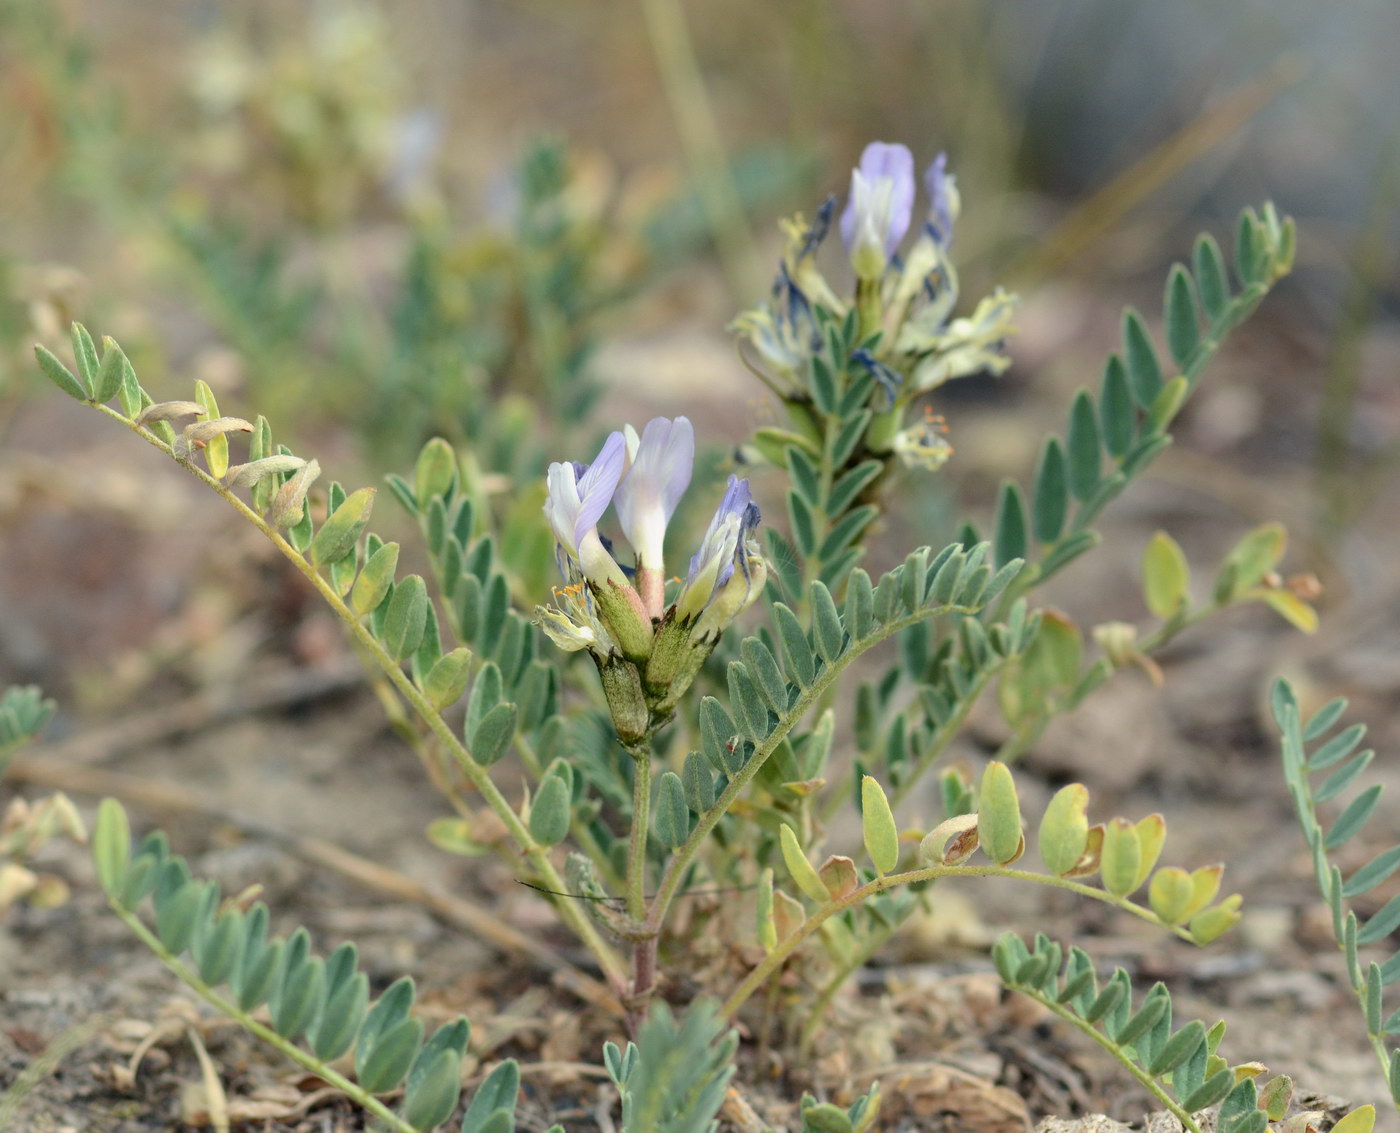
[736, 697]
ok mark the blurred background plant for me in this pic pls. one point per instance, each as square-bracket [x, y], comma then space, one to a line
[314, 198]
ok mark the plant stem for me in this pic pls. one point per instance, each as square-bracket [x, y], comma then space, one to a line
[1148, 1082]
[637, 843]
[786, 947]
[1235, 313]
[685, 854]
[644, 948]
[834, 983]
[302, 1058]
[480, 778]
[946, 734]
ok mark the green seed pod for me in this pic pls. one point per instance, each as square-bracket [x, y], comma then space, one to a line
[803, 873]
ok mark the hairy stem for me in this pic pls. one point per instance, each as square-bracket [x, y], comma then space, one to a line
[637, 843]
[786, 947]
[1148, 1082]
[478, 775]
[304, 1059]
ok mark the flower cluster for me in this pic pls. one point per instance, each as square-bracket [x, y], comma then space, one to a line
[908, 339]
[647, 652]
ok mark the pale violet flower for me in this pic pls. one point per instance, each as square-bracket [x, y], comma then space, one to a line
[659, 467]
[722, 550]
[578, 494]
[879, 208]
[784, 330]
[944, 203]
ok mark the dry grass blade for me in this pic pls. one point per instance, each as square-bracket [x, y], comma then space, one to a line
[1100, 212]
[214, 1096]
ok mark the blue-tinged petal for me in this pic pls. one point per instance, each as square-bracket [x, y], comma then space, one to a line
[649, 492]
[888, 379]
[943, 199]
[576, 499]
[879, 208]
[597, 485]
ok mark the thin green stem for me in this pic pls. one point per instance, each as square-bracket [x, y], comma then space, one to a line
[1148, 1082]
[302, 1058]
[810, 696]
[786, 947]
[1032, 574]
[1030, 731]
[637, 843]
[478, 775]
[947, 732]
[835, 982]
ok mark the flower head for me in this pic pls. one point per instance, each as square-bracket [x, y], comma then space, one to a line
[647, 653]
[879, 208]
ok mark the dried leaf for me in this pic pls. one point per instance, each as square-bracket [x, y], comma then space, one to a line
[169, 411]
[290, 501]
[246, 475]
[960, 830]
